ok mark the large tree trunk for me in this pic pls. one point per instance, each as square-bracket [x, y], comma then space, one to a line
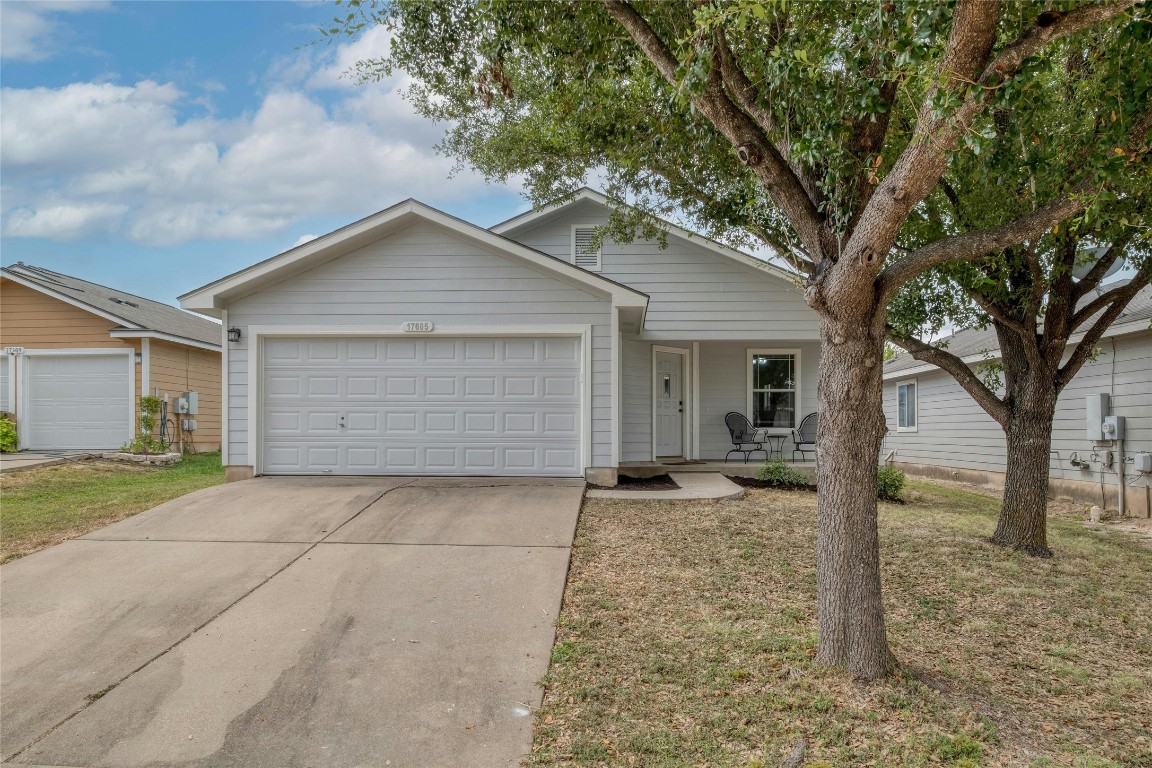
[852, 427]
[1023, 522]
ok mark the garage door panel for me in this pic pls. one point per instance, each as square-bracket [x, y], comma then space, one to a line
[482, 406]
[76, 401]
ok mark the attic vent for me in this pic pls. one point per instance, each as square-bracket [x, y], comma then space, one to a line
[584, 254]
[122, 301]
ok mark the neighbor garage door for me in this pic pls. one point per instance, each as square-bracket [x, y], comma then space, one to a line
[76, 401]
[475, 406]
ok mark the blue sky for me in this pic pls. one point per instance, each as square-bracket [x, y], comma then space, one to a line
[156, 146]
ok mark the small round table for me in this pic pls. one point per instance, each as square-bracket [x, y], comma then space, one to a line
[775, 442]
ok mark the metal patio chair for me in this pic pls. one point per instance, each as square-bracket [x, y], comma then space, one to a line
[804, 436]
[743, 436]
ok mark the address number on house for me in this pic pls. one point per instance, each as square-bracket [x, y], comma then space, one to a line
[13, 350]
[421, 326]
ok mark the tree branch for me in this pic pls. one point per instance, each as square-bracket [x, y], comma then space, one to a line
[1087, 344]
[965, 69]
[973, 245]
[959, 370]
[1122, 294]
[754, 146]
[1099, 269]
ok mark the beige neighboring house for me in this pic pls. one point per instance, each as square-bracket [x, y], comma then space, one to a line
[77, 356]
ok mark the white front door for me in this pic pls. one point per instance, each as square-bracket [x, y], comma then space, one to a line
[436, 406]
[669, 398]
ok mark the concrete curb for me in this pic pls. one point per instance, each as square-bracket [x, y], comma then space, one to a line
[693, 485]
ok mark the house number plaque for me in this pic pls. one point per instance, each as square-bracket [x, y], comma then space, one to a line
[421, 326]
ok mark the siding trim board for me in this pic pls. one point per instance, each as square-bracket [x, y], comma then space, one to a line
[128, 333]
[258, 333]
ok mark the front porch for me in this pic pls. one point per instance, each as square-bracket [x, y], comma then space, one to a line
[736, 467]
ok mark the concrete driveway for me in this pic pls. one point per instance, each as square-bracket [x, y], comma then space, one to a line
[291, 622]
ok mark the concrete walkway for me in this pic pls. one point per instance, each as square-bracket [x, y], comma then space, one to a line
[307, 621]
[29, 459]
[693, 485]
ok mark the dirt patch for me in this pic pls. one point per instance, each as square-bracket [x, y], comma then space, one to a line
[654, 483]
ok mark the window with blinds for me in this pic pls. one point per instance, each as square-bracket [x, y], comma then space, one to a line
[585, 253]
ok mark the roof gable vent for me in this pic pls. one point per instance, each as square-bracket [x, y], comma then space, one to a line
[584, 254]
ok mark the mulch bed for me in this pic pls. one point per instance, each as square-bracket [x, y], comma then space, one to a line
[654, 483]
[752, 482]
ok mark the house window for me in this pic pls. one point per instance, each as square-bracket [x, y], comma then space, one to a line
[773, 388]
[906, 407]
[584, 254]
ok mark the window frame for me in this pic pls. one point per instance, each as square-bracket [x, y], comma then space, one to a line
[796, 382]
[599, 251]
[915, 405]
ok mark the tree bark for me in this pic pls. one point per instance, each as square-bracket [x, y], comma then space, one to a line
[852, 427]
[1032, 393]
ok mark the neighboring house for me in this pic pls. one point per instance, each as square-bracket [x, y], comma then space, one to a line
[77, 357]
[412, 342]
[937, 429]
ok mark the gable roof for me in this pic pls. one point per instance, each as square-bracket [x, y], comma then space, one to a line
[137, 316]
[536, 215]
[213, 297]
[975, 345]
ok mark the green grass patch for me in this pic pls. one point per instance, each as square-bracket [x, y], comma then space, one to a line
[689, 631]
[40, 507]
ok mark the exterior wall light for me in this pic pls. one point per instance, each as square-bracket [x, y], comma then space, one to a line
[233, 334]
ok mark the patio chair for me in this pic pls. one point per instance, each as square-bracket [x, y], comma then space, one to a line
[743, 436]
[804, 436]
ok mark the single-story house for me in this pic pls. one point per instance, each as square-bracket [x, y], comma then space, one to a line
[412, 342]
[936, 429]
[77, 356]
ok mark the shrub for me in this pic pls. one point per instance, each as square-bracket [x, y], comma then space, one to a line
[890, 483]
[777, 472]
[7, 435]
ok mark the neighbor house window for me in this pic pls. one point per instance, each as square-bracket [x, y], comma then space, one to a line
[584, 253]
[773, 388]
[906, 406]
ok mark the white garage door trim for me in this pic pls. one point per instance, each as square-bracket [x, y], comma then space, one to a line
[23, 423]
[258, 333]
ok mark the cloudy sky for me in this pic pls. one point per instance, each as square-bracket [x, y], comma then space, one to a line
[156, 146]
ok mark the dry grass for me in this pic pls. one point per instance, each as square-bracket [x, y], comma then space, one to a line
[43, 506]
[688, 632]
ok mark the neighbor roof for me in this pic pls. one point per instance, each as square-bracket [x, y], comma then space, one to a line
[976, 345]
[135, 313]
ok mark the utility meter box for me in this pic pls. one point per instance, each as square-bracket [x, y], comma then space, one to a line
[1097, 407]
[188, 403]
[1142, 462]
[1113, 428]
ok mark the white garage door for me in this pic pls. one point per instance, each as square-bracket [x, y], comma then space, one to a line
[76, 401]
[476, 406]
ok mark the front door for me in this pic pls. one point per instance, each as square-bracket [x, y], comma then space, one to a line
[669, 399]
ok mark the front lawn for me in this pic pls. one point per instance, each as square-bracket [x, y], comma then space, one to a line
[40, 507]
[688, 632]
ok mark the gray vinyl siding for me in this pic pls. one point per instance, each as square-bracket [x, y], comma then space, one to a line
[695, 293]
[953, 431]
[422, 273]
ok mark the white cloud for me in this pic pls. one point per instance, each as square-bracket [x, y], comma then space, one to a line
[30, 31]
[99, 158]
[304, 239]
